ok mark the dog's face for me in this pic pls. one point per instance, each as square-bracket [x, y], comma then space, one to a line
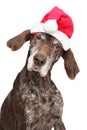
[44, 51]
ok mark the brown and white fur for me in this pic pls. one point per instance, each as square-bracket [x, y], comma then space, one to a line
[35, 103]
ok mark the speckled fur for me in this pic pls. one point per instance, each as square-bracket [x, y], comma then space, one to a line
[34, 104]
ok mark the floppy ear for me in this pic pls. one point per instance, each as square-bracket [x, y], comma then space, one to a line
[70, 64]
[16, 42]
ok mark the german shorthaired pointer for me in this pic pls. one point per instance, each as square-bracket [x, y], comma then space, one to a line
[35, 103]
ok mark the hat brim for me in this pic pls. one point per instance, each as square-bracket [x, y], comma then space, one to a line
[63, 38]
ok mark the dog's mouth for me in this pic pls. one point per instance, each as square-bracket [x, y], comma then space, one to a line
[36, 69]
[33, 68]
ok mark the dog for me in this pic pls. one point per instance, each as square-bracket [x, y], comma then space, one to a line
[35, 103]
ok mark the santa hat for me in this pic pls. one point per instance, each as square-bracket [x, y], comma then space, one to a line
[58, 24]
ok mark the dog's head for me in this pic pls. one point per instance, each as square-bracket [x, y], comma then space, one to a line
[45, 50]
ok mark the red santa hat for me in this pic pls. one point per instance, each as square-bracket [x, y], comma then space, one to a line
[58, 24]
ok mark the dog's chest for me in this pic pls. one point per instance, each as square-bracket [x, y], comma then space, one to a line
[41, 105]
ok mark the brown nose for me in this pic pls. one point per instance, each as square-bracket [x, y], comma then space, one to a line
[39, 59]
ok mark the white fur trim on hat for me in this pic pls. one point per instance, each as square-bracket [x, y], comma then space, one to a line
[51, 27]
[63, 39]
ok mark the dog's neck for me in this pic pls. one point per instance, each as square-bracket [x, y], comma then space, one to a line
[33, 76]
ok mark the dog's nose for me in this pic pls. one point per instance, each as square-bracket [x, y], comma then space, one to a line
[39, 59]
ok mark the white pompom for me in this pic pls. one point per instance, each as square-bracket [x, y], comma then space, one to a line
[50, 26]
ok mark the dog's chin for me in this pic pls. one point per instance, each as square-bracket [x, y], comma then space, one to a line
[42, 73]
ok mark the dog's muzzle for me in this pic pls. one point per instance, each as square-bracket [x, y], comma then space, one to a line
[39, 62]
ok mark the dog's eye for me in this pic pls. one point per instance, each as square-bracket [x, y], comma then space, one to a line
[38, 36]
[57, 46]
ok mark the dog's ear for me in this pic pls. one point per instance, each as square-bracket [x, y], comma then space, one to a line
[70, 64]
[16, 42]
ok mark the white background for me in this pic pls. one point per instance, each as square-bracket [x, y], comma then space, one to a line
[19, 15]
